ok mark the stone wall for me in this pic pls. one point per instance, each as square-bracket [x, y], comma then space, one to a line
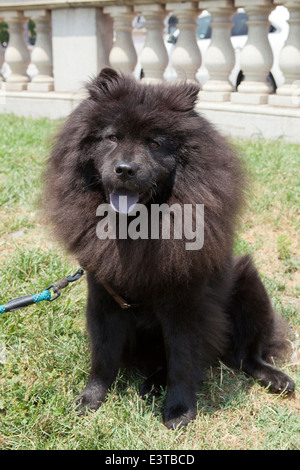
[75, 39]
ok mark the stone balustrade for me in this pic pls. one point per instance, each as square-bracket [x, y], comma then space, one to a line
[75, 39]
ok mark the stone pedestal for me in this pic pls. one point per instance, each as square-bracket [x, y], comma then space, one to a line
[256, 58]
[186, 58]
[123, 54]
[289, 93]
[1, 63]
[220, 57]
[154, 57]
[17, 53]
[81, 39]
[41, 55]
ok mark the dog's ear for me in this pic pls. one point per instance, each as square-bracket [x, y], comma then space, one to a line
[104, 83]
[184, 96]
[108, 74]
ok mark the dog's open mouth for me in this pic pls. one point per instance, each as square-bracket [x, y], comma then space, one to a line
[124, 201]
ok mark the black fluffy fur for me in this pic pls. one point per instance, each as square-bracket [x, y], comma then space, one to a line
[194, 306]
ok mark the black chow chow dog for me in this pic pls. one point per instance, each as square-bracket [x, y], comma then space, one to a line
[190, 306]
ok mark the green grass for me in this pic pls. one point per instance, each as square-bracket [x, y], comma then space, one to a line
[44, 349]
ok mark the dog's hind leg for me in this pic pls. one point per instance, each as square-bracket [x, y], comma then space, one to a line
[257, 334]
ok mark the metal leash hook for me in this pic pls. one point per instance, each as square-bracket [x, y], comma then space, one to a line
[62, 283]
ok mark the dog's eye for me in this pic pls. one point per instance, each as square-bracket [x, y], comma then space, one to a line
[113, 138]
[153, 145]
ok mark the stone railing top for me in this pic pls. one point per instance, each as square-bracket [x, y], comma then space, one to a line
[23, 4]
[50, 4]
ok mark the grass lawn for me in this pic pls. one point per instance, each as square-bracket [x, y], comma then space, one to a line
[44, 349]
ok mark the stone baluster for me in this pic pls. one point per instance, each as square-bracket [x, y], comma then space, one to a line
[154, 57]
[1, 60]
[123, 54]
[41, 54]
[220, 56]
[288, 94]
[17, 54]
[186, 58]
[256, 58]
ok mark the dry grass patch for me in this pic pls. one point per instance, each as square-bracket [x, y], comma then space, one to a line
[44, 350]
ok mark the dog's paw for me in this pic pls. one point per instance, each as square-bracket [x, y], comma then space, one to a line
[90, 399]
[177, 416]
[277, 381]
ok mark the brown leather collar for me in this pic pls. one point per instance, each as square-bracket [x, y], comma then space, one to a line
[122, 302]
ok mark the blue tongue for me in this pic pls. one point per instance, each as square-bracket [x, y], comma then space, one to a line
[123, 201]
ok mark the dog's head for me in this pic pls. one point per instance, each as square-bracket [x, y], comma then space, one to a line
[134, 137]
[145, 142]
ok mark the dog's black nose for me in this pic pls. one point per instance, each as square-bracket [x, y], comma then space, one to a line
[126, 170]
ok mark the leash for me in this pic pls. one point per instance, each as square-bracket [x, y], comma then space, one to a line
[26, 300]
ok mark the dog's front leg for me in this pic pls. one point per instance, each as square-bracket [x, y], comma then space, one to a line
[107, 330]
[180, 405]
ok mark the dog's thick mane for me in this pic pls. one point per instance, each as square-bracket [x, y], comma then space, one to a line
[208, 172]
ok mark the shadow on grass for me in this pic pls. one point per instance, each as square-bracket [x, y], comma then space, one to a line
[222, 389]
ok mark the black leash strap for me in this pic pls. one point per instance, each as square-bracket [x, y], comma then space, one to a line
[26, 300]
